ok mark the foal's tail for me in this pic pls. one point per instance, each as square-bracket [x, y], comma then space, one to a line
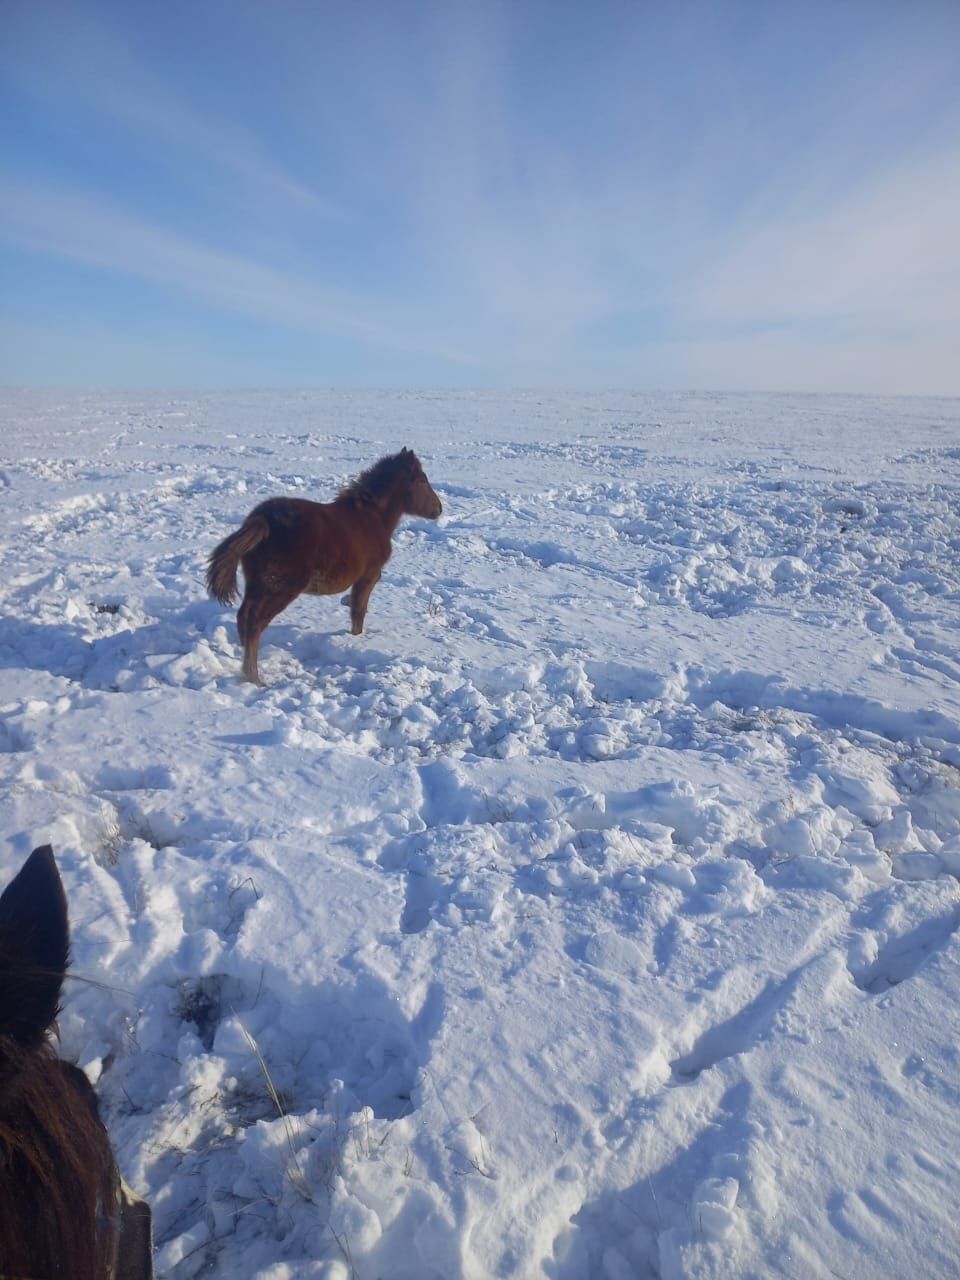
[222, 566]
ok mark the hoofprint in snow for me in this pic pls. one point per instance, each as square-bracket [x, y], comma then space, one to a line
[594, 914]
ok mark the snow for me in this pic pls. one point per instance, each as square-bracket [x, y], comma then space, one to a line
[594, 914]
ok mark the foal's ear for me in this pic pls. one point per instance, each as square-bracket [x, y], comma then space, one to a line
[34, 948]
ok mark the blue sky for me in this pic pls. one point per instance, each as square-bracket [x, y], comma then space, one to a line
[294, 193]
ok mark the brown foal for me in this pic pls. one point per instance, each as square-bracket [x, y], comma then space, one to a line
[289, 545]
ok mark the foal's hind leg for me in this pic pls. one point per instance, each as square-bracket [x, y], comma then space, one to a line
[249, 637]
[359, 598]
[254, 616]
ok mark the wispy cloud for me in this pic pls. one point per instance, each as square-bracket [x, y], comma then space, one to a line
[91, 68]
[645, 196]
[883, 258]
[784, 361]
[71, 226]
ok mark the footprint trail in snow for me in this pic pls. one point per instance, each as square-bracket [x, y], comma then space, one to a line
[596, 913]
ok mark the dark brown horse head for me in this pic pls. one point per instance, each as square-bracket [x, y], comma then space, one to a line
[421, 497]
[62, 1210]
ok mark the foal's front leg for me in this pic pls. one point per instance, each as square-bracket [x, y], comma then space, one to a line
[359, 597]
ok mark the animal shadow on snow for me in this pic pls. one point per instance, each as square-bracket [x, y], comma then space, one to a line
[59, 650]
[99, 662]
[624, 1228]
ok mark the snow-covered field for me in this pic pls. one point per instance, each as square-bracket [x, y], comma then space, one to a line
[594, 914]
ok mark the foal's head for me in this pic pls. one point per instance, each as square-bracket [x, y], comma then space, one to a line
[421, 499]
[397, 480]
[60, 1201]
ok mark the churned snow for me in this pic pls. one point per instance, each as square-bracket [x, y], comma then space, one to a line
[594, 914]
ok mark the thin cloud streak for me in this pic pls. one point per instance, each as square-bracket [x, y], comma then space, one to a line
[68, 225]
[770, 362]
[102, 72]
[883, 257]
[613, 210]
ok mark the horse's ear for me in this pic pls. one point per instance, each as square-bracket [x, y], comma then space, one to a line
[34, 948]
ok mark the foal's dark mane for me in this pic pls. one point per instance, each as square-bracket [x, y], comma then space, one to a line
[374, 482]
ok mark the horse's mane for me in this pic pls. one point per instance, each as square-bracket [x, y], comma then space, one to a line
[370, 485]
[58, 1182]
[58, 1179]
